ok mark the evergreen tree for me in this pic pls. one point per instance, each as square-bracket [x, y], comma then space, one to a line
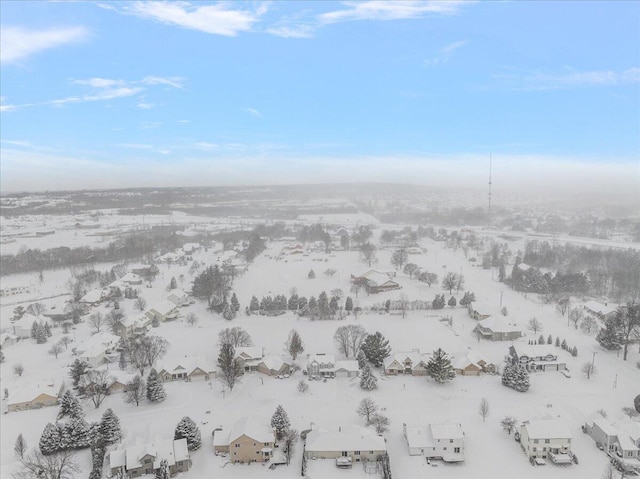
[109, 427]
[557, 341]
[550, 340]
[302, 303]
[311, 274]
[541, 339]
[34, 329]
[313, 304]
[20, 447]
[467, 298]
[280, 421]
[47, 330]
[1, 356]
[98, 451]
[574, 351]
[348, 304]
[155, 388]
[50, 440]
[564, 344]
[77, 370]
[323, 305]
[70, 406]
[333, 304]
[361, 358]
[439, 367]
[294, 344]
[452, 301]
[41, 334]
[438, 302]
[173, 284]
[235, 304]
[228, 313]
[610, 337]
[292, 304]
[78, 433]
[254, 305]
[515, 377]
[502, 274]
[188, 429]
[368, 381]
[122, 360]
[376, 348]
[163, 471]
[230, 368]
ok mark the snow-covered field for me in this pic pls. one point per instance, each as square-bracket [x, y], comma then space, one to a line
[490, 452]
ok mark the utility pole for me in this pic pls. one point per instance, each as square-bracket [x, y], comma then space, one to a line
[593, 362]
[501, 299]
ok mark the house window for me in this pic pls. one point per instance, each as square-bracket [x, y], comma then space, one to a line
[450, 441]
[547, 441]
[535, 441]
[237, 444]
[456, 450]
[444, 448]
[344, 454]
[370, 452]
[357, 453]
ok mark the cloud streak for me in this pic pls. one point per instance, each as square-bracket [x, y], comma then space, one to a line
[535, 80]
[390, 10]
[19, 43]
[253, 112]
[445, 53]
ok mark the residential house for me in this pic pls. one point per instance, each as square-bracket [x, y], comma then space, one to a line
[247, 441]
[7, 339]
[96, 350]
[95, 296]
[147, 271]
[190, 248]
[129, 326]
[436, 441]
[472, 363]
[15, 289]
[119, 381]
[599, 310]
[347, 369]
[375, 282]
[59, 311]
[34, 395]
[346, 446]
[497, 328]
[321, 365]
[131, 279]
[178, 297]
[141, 459]
[537, 357]
[616, 442]
[480, 311]
[546, 438]
[163, 311]
[22, 327]
[249, 357]
[170, 257]
[273, 366]
[188, 368]
[406, 362]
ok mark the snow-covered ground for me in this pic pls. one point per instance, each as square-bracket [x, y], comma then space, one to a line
[490, 452]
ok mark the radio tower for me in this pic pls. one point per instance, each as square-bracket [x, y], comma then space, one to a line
[489, 189]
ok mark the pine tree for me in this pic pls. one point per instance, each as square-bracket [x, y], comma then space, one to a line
[254, 305]
[173, 284]
[311, 274]
[439, 367]
[557, 342]
[228, 313]
[361, 358]
[515, 377]
[98, 451]
[47, 330]
[78, 369]
[163, 471]
[541, 339]
[230, 369]
[235, 304]
[467, 298]
[78, 433]
[155, 389]
[376, 348]
[564, 344]
[70, 406]
[550, 340]
[348, 304]
[280, 421]
[188, 429]
[438, 302]
[20, 447]
[574, 351]
[452, 301]
[34, 329]
[50, 439]
[333, 304]
[41, 334]
[368, 381]
[109, 427]
[1, 356]
[610, 337]
[294, 344]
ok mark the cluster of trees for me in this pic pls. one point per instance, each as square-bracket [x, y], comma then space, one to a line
[213, 284]
[515, 377]
[321, 308]
[288, 436]
[621, 329]
[189, 430]
[40, 331]
[370, 412]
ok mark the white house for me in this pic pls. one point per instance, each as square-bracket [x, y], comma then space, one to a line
[145, 458]
[615, 441]
[436, 441]
[411, 362]
[602, 311]
[15, 289]
[321, 365]
[95, 296]
[178, 297]
[537, 357]
[497, 328]
[547, 438]
[96, 349]
[347, 369]
[162, 311]
[250, 357]
[347, 446]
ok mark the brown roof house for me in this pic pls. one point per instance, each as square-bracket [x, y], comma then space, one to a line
[406, 362]
[247, 441]
[273, 366]
[34, 396]
[188, 368]
[355, 444]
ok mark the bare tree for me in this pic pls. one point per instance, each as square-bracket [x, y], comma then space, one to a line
[18, 369]
[236, 337]
[119, 270]
[459, 283]
[337, 293]
[115, 320]
[404, 304]
[367, 409]
[140, 303]
[575, 316]
[534, 325]
[59, 465]
[399, 258]
[20, 447]
[450, 281]
[630, 411]
[628, 321]
[56, 348]
[36, 309]
[230, 368]
[380, 423]
[289, 442]
[341, 338]
[192, 318]
[588, 369]
[589, 325]
[303, 387]
[136, 355]
[65, 340]
[609, 472]
[135, 390]
[564, 305]
[330, 272]
[95, 383]
[97, 320]
[508, 423]
[483, 409]
[368, 253]
[349, 338]
[153, 348]
[411, 269]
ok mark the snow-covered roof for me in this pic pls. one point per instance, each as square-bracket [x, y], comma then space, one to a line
[356, 438]
[347, 365]
[547, 429]
[322, 358]
[626, 444]
[131, 278]
[498, 324]
[122, 377]
[273, 362]
[249, 352]
[30, 391]
[469, 357]
[402, 356]
[93, 296]
[425, 436]
[163, 307]
[524, 267]
[447, 431]
[6, 336]
[246, 426]
[177, 296]
[185, 364]
[535, 350]
[97, 344]
[160, 449]
[599, 308]
[603, 423]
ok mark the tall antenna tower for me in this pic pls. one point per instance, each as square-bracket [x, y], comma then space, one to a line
[490, 161]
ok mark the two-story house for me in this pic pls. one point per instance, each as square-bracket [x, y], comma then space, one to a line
[346, 446]
[145, 458]
[406, 362]
[436, 441]
[321, 365]
[615, 441]
[537, 357]
[546, 438]
[247, 441]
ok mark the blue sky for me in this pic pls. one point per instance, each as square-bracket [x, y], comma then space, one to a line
[119, 94]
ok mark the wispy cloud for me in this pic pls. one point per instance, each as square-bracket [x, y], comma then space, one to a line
[16, 143]
[184, 121]
[205, 145]
[570, 78]
[390, 10]
[444, 54]
[220, 18]
[175, 82]
[18, 43]
[293, 31]
[254, 112]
